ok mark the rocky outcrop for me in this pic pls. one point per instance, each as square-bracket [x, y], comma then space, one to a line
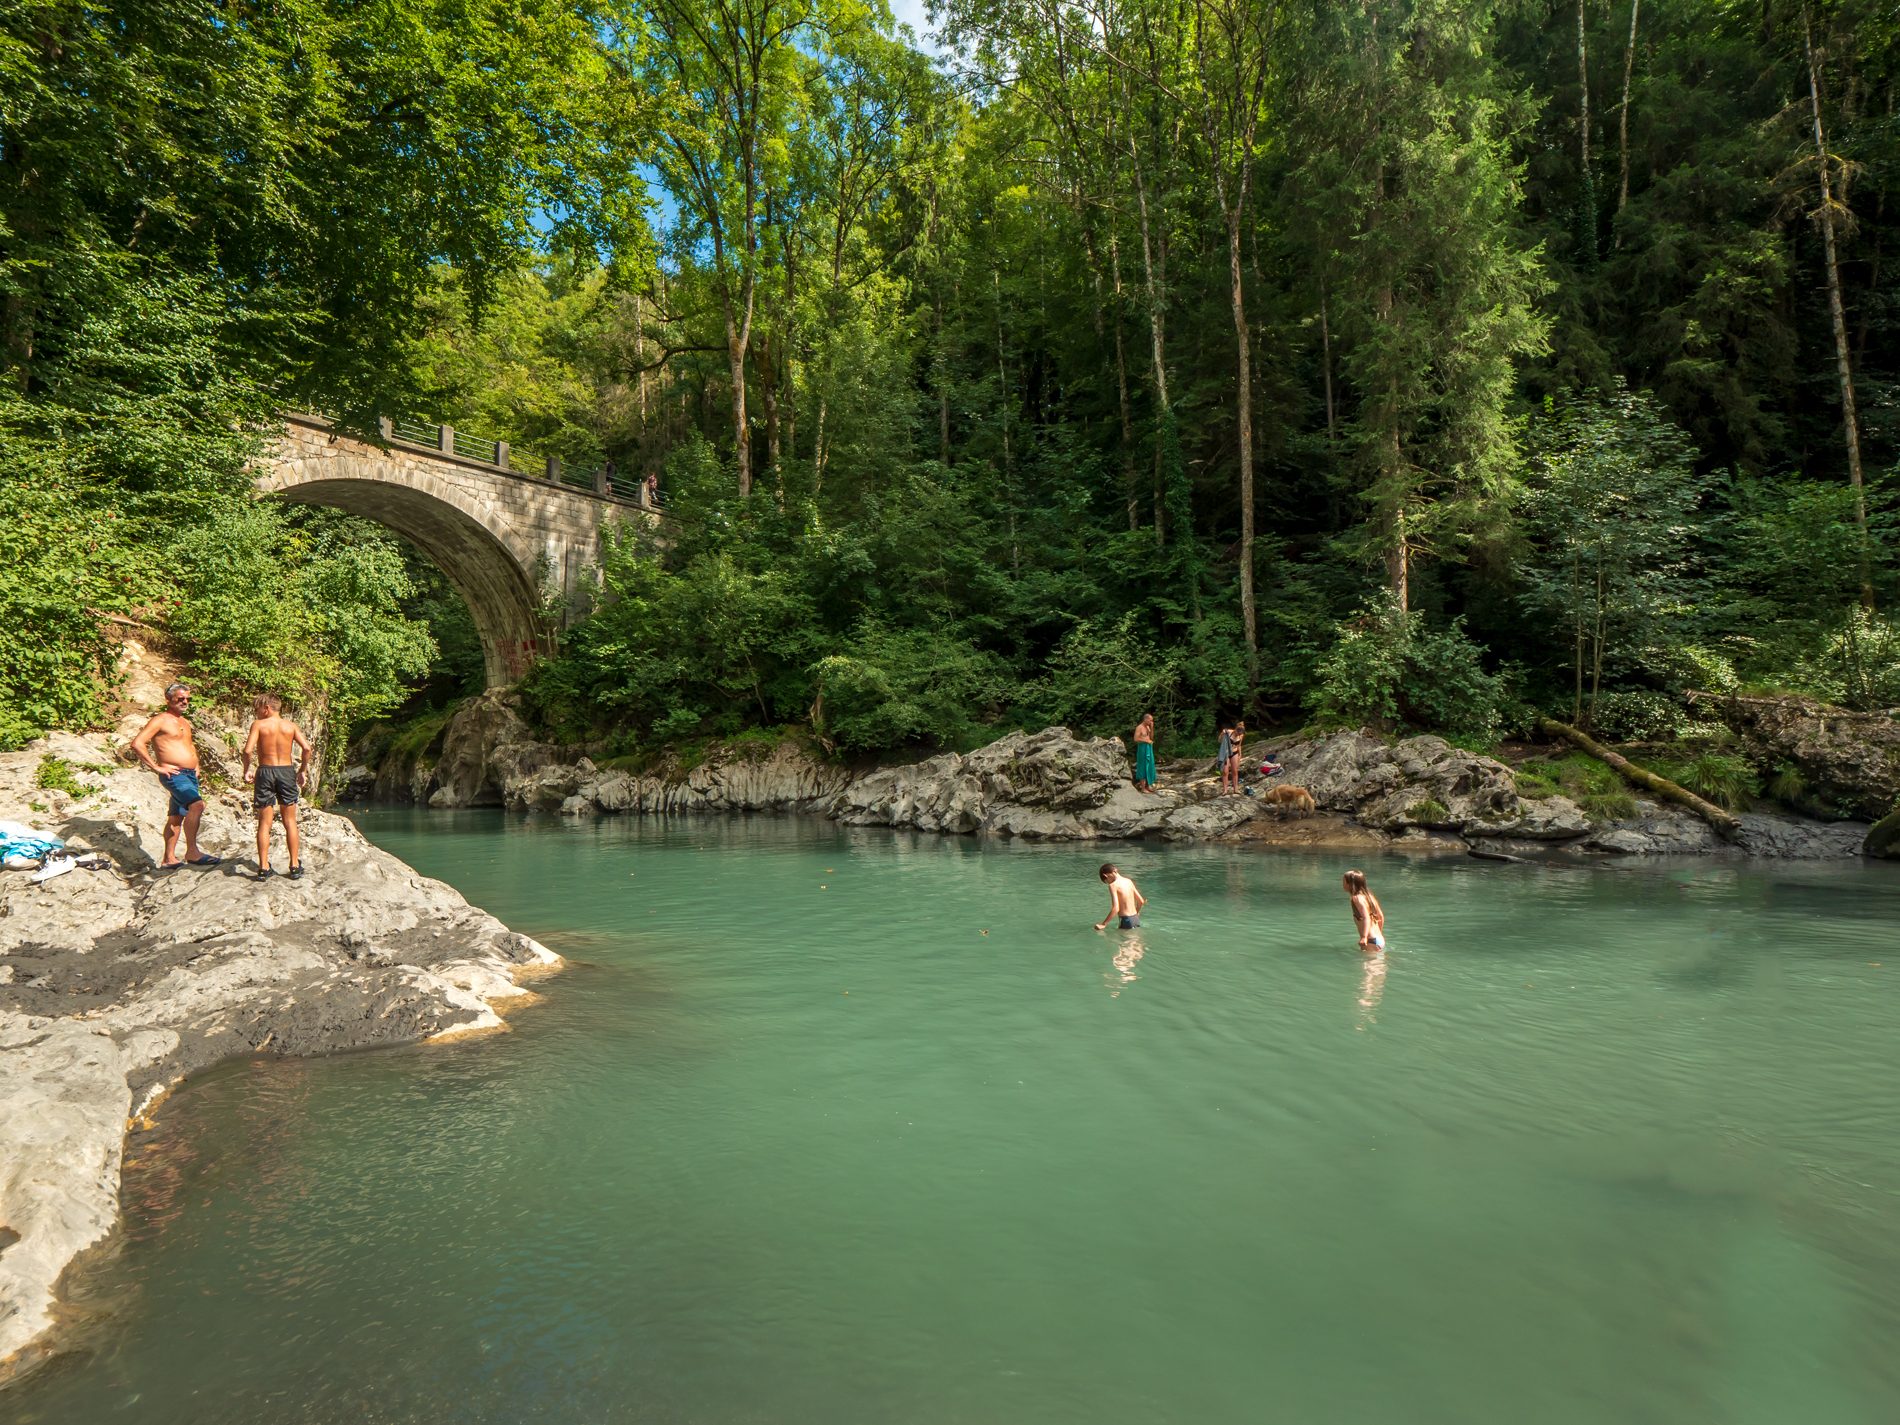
[116, 983]
[1047, 785]
[1419, 793]
[487, 750]
[1848, 759]
[1425, 782]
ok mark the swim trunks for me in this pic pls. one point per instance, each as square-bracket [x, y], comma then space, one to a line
[276, 786]
[183, 787]
[1131, 922]
[1145, 762]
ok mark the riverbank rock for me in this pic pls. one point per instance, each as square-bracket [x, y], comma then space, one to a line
[490, 758]
[1427, 783]
[1415, 793]
[116, 983]
[1849, 759]
[1883, 838]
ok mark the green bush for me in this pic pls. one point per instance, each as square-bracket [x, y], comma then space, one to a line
[1429, 812]
[307, 605]
[895, 688]
[1788, 786]
[1608, 806]
[1719, 777]
[55, 774]
[1576, 775]
[1858, 663]
[1387, 669]
[1101, 679]
[1638, 716]
[63, 560]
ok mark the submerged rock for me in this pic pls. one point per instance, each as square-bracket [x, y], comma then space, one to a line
[116, 983]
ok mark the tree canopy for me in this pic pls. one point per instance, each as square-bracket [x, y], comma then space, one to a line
[1390, 360]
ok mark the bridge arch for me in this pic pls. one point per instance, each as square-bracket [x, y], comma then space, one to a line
[502, 539]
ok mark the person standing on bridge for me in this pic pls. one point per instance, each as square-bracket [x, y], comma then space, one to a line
[651, 488]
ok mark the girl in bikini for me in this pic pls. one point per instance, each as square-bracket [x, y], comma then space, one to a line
[1367, 917]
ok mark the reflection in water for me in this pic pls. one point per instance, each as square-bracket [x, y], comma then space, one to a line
[1121, 969]
[1371, 989]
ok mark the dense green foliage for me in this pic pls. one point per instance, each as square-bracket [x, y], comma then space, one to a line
[1395, 361]
[205, 215]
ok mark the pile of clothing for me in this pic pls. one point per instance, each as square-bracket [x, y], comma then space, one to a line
[24, 849]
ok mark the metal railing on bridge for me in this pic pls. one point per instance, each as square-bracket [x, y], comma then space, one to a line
[603, 479]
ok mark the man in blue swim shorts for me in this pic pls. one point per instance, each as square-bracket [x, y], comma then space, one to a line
[166, 746]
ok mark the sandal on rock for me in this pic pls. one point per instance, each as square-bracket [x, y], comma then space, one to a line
[205, 861]
[295, 873]
[265, 873]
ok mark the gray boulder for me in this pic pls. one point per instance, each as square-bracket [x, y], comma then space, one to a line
[487, 749]
[1847, 758]
[1424, 782]
[1883, 838]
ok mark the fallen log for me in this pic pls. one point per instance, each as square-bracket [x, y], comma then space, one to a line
[1727, 825]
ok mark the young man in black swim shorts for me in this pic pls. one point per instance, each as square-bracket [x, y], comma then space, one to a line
[271, 742]
[1124, 901]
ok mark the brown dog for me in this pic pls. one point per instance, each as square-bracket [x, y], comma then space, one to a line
[1289, 798]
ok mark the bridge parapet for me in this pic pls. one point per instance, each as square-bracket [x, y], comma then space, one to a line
[604, 480]
[507, 540]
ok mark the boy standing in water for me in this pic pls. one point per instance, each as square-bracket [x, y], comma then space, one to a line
[1124, 900]
[1367, 917]
[272, 739]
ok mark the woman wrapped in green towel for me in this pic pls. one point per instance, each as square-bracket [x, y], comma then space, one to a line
[1145, 753]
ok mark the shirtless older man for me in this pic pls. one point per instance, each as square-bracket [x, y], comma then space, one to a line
[165, 745]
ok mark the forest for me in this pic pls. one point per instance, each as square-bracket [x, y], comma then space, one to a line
[1327, 362]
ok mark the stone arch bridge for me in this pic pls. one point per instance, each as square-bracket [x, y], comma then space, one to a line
[503, 537]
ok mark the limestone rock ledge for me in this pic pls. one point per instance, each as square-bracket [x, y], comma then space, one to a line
[1416, 794]
[115, 984]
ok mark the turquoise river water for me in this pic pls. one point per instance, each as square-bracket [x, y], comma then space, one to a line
[852, 1127]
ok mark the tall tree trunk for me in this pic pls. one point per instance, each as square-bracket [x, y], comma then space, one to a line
[1244, 422]
[1587, 200]
[1326, 359]
[735, 362]
[768, 397]
[1623, 118]
[1850, 419]
[788, 377]
[640, 361]
[1157, 342]
[1576, 628]
[1121, 388]
[1009, 459]
[943, 390]
[820, 452]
